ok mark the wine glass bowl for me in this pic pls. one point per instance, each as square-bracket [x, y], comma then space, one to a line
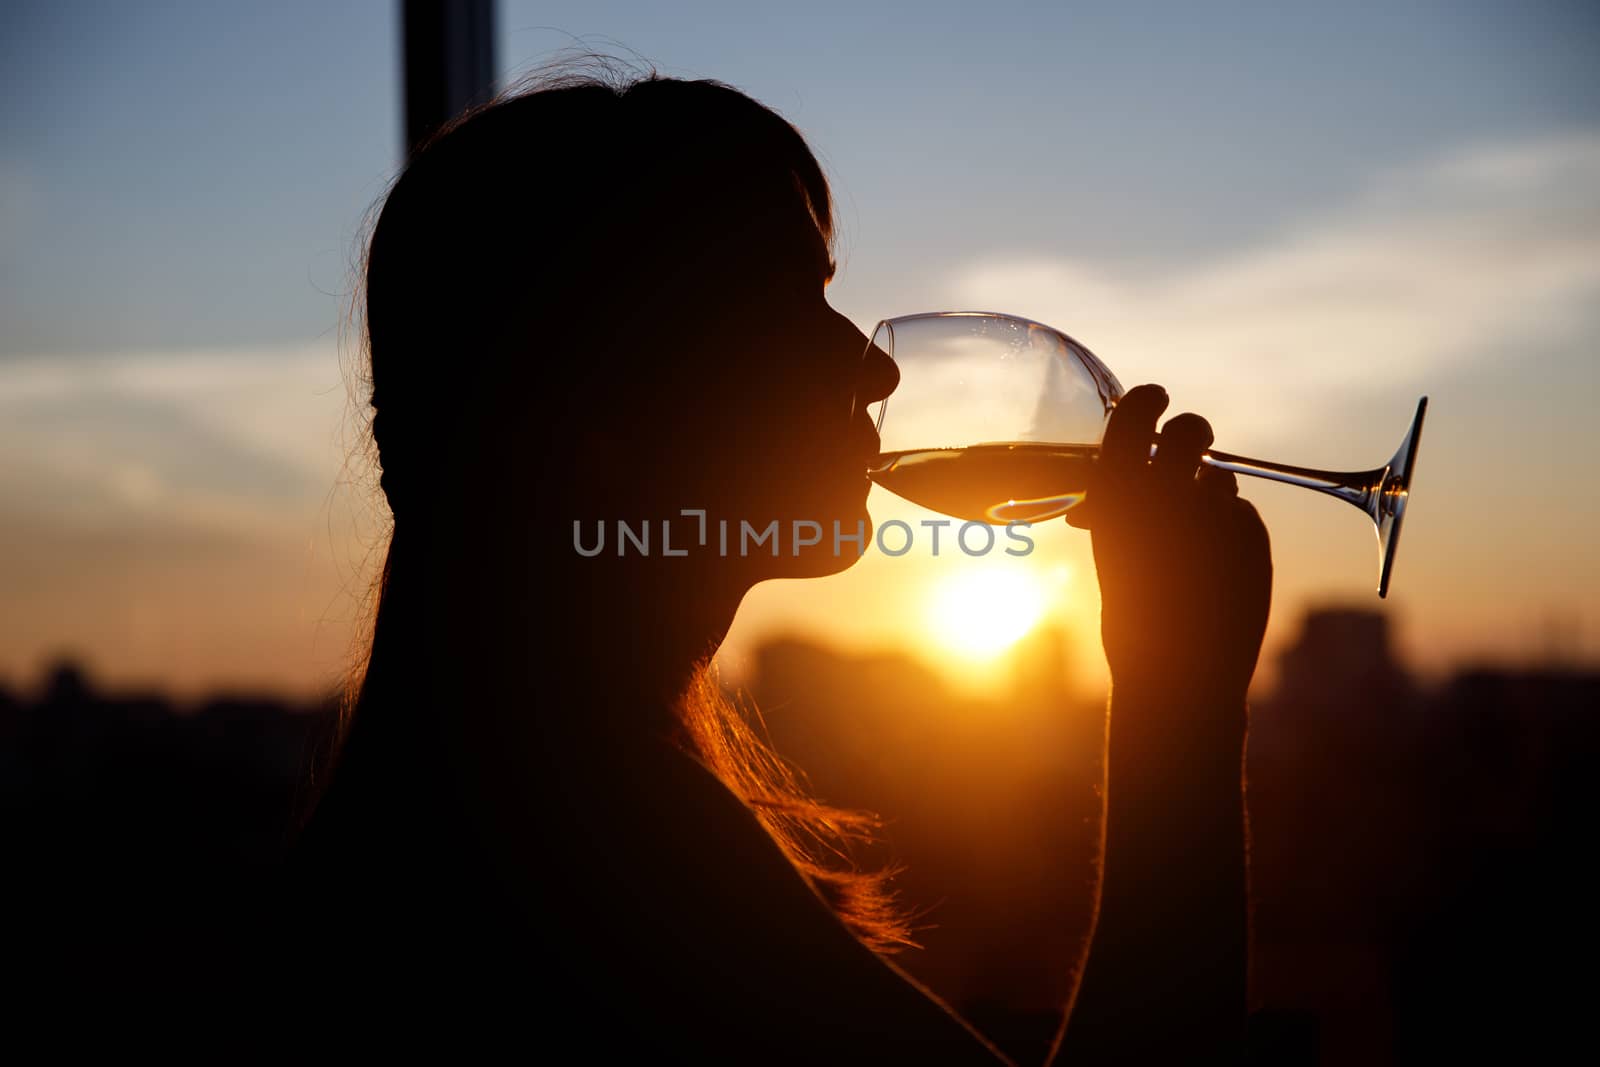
[999, 419]
[978, 371]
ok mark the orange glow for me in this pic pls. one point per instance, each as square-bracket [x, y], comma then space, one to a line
[980, 611]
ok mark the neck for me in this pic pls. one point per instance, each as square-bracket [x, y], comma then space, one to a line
[524, 691]
[634, 630]
[601, 646]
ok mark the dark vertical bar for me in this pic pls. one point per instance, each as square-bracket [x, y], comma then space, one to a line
[448, 50]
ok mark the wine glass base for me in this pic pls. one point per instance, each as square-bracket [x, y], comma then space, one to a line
[1390, 495]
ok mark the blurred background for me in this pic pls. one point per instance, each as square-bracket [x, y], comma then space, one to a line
[1298, 218]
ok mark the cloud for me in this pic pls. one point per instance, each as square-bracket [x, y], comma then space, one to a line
[1480, 253]
[180, 516]
[235, 441]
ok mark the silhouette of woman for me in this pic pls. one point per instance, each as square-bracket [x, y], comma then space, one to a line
[592, 302]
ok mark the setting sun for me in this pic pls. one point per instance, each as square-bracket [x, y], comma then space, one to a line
[981, 612]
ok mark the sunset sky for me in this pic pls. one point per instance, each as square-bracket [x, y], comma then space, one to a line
[1298, 218]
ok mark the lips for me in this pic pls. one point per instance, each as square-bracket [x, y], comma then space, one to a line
[864, 437]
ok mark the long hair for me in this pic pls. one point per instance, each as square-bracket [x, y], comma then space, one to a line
[537, 264]
[825, 843]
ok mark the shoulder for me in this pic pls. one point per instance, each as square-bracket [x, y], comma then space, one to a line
[794, 982]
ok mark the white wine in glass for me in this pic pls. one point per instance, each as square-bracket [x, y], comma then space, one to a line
[999, 419]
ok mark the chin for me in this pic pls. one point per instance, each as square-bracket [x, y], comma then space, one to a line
[825, 561]
[820, 560]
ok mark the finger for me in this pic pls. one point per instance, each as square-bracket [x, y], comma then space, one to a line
[1242, 537]
[1216, 484]
[1255, 546]
[1251, 531]
[1183, 439]
[1126, 447]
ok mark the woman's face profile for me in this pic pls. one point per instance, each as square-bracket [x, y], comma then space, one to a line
[794, 436]
[761, 417]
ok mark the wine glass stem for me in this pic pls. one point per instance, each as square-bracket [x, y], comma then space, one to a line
[1353, 487]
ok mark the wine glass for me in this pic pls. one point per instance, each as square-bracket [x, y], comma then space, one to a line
[999, 420]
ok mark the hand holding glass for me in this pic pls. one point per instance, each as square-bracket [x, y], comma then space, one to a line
[999, 419]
